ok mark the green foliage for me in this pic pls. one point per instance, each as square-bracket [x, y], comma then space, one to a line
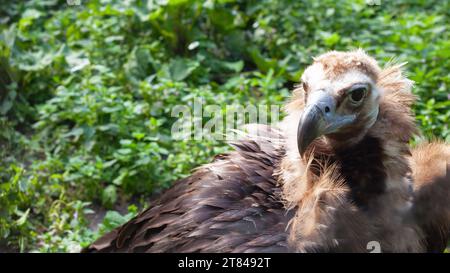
[86, 91]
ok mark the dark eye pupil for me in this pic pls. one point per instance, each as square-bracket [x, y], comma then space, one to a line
[305, 86]
[357, 94]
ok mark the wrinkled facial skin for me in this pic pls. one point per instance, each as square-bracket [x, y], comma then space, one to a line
[342, 108]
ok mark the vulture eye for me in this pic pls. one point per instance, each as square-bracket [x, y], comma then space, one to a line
[357, 94]
[305, 86]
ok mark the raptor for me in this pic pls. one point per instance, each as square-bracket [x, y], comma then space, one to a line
[336, 174]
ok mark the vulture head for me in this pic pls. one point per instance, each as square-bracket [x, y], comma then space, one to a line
[341, 98]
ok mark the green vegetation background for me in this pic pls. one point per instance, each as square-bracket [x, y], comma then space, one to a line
[86, 92]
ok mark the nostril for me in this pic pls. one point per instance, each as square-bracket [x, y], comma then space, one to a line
[327, 109]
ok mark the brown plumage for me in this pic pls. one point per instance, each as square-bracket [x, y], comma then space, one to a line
[345, 177]
[230, 205]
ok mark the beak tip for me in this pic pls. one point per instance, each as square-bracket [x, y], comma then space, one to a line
[307, 131]
[301, 149]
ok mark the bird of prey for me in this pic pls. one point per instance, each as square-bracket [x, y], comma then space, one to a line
[336, 175]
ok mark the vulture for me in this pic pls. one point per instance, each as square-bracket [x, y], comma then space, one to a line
[337, 174]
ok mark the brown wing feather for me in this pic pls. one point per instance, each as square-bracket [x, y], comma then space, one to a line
[431, 172]
[231, 204]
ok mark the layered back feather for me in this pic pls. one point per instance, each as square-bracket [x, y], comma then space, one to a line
[230, 205]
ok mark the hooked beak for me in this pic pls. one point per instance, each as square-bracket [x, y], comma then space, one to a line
[319, 118]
